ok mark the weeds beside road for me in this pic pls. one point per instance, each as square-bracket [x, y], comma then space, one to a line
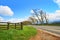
[14, 34]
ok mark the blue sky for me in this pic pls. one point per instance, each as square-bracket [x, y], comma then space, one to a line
[22, 8]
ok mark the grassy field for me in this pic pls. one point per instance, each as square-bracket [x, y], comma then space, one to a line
[14, 34]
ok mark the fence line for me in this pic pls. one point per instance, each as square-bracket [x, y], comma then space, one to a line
[15, 24]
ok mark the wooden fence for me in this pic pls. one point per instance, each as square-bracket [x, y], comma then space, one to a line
[8, 25]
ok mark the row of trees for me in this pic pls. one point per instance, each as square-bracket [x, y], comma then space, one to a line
[38, 16]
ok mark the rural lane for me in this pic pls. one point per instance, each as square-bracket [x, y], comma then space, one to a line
[52, 29]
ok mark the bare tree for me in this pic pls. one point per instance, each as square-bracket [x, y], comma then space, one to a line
[41, 15]
[35, 19]
[36, 14]
[32, 20]
[46, 19]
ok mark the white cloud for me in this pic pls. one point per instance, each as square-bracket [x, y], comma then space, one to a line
[5, 10]
[51, 17]
[13, 20]
[54, 16]
[32, 11]
[1, 19]
[16, 20]
[57, 2]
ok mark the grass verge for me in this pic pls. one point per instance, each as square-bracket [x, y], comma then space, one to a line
[13, 34]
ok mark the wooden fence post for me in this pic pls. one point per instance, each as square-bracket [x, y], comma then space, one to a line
[7, 25]
[15, 25]
[21, 26]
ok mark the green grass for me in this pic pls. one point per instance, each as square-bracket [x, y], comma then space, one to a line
[14, 34]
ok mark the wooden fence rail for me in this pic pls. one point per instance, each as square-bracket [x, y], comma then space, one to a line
[7, 24]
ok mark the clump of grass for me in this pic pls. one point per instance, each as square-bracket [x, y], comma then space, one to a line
[14, 34]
